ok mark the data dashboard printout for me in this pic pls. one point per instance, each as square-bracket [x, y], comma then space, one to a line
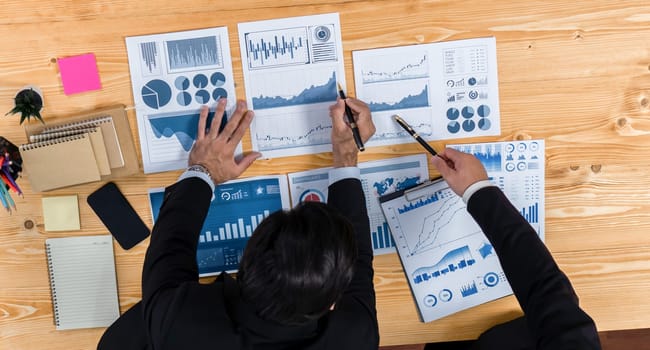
[236, 209]
[377, 178]
[445, 90]
[448, 261]
[291, 69]
[172, 76]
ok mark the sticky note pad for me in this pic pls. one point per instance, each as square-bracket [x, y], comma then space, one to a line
[79, 73]
[61, 213]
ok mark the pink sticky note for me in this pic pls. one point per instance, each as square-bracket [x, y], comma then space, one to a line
[79, 73]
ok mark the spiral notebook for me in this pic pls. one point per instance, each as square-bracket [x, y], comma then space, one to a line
[84, 148]
[83, 282]
[60, 162]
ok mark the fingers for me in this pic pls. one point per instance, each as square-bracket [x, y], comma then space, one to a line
[233, 124]
[337, 112]
[238, 134]
[337, 109]
[216, 120]
[247, 161]
[357, 106]
[203, 117]
[442, 166]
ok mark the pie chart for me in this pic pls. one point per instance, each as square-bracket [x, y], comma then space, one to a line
[453, 127]
[218, 79]
[219, 93]
[200, 81]
[452, 114]
[202, 97]
[156, 93]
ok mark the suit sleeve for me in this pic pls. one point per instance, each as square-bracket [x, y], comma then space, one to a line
[347, 197]
[544, 292]
[171, 257]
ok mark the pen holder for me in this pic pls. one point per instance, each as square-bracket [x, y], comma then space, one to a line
[13, 162]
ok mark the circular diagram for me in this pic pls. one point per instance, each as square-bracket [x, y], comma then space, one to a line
[200, 81]
[445, 295]
[219, 93]
[469, 125]
[491, 279]
[484, 124]
[312, 195]
[156, 93]
[184, 98]
[483, 111]
[218, 79]
[430, 300]
[202, 96]
[453, 127]
[182, 83]
[467, 112]
[453, 114]
[322, 33]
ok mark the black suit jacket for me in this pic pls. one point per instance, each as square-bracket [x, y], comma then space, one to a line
[552, 314]
[179, 312]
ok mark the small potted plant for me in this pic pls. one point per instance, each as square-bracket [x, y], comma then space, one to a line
[28, 102]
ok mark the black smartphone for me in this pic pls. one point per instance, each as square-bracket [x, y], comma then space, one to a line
[117, 214]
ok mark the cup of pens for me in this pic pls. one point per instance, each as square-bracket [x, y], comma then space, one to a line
[10, 168]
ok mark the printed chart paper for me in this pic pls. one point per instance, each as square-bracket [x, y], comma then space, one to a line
[449, 263]
[237, 208]
[445, 90]
[291, 68]
[377, 178]
[172, 76]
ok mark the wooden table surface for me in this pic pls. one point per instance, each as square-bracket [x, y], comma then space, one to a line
[575, 73]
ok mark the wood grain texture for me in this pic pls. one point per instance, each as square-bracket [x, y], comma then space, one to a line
[576, 74]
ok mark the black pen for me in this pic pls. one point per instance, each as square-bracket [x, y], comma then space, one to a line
[353, 124]
[420, 140]
[415, 135]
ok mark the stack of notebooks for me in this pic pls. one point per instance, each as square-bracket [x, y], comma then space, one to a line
[86, 148]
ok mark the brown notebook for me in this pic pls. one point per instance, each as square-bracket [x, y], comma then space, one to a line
[60, 162]
[119, 149]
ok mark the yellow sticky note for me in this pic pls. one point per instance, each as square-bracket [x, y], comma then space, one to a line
[61, 213]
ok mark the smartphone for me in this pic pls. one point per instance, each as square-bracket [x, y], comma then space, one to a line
[117, 214]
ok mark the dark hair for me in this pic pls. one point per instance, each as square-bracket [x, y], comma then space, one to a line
[297, 263]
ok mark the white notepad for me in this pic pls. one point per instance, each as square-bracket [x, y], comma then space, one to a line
[83, 282]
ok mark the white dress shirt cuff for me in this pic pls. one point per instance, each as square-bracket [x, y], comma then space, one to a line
[201, 175]
[475, 187]
[337, 174]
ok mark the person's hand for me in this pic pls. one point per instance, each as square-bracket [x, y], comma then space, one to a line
[344, 148]
[216, 150]
[459, 169]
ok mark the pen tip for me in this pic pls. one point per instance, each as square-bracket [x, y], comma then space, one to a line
[338, 85]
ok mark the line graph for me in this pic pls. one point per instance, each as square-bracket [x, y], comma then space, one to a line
[289, 130]
[277, 47]
[433, 220]
[415, 100]
[193, 53]
[396, 68]
[315, 93]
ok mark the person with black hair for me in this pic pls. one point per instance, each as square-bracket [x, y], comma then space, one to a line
[305, 279]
